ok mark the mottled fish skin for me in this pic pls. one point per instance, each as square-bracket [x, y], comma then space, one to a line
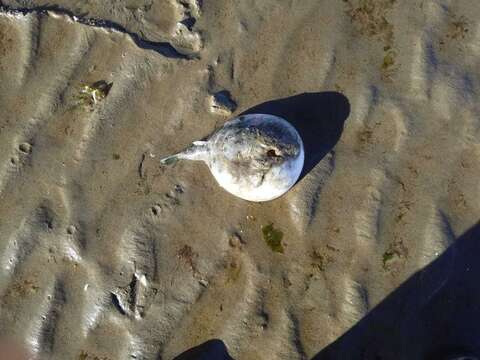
[247, 146]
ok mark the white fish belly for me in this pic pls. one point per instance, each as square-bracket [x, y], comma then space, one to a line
[276, 183]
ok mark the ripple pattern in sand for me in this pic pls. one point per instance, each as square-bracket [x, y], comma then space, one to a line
[101, 245]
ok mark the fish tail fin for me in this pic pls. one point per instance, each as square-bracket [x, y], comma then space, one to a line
[169, 160]
[198, 151]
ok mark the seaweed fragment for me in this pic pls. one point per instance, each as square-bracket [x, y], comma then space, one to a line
[273, 237]
[91, 95]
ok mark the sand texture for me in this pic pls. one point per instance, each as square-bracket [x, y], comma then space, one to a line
[105, 254]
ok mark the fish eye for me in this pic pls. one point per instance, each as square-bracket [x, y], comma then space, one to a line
[272, 153]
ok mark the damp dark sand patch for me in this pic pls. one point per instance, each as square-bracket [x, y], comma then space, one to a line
[370, 19]
[188, 256]
[396, 251]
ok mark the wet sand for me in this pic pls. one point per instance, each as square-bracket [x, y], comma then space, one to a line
[105, 254]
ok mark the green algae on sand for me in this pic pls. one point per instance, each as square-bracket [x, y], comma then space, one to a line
[273, 237]
[91, 95]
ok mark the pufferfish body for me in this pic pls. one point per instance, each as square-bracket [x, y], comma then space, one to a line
[257, 157]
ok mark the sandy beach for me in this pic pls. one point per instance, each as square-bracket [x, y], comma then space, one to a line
[106, 254]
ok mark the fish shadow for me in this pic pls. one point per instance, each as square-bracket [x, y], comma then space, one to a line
[319, 118]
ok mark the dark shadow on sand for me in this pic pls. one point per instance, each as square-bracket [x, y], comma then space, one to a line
[433, 315]
[318, 117]
[210, 350]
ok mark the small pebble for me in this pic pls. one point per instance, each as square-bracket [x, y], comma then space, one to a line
[71, 230]
[156, 210]
[25, 148]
